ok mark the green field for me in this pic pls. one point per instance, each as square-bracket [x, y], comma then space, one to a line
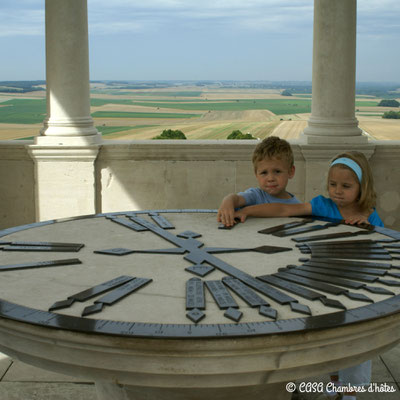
[23, 111]
[118, 92]
[277, 106]
[126, 114]
[366, 103]
[102, 102]
[108, 130]
[29, 111]
[370, 115]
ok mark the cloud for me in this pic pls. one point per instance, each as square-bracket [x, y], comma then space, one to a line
[26, 17]
[22, 22]
[155, 15]
[378, 19]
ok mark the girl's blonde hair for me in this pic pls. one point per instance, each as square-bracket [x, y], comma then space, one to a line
[367, 197]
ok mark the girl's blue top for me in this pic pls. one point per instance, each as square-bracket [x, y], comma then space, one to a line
[323, 207]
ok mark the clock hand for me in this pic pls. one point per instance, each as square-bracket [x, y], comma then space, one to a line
[196, 255]
[91, 292]
[116, 295]
[40, 264]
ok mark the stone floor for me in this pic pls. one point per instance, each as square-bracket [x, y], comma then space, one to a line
[385, 370]
[20, 381]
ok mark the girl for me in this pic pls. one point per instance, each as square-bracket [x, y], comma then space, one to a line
[352, 198]
[351, 195]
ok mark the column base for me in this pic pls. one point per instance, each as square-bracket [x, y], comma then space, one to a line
[108, 390]
[44, 140]
[333, 131]
[325, 139]
[65, 179]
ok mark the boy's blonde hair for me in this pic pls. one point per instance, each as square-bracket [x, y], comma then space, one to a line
[273, 147]
[367, 197]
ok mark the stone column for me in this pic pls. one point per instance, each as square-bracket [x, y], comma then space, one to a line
[65, 152]
[333, 78]
[67, 75]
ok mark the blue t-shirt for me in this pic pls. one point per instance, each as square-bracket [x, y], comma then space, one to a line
[255, 196]
[323, 207]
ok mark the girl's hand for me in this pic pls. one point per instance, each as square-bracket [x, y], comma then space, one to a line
[357, 219]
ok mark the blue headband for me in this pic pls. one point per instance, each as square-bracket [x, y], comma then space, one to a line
[351, 164]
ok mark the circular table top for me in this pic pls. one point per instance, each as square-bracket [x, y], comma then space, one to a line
[174, 274]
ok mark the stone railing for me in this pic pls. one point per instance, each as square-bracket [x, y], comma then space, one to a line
[172, 175]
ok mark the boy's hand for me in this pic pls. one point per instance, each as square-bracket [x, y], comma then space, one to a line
[226, 211]
[226, 215]
[241, 215]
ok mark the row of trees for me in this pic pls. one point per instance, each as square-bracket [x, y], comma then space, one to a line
[178, 134]
[391, 115]
[389, 103]
[21, 86]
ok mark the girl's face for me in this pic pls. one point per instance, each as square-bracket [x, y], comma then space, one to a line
[343, 186]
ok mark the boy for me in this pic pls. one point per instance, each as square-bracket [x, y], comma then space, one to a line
[273, 166]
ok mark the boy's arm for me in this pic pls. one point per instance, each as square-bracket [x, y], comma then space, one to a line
[274, 210]
[226, 210]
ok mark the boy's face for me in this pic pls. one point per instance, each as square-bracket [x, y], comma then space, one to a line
[273, 175]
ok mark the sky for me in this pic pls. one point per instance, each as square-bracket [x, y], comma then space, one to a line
[242, 40]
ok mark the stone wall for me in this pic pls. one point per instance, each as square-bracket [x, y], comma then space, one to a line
[176, 174]
[17, 194]
[138, 175]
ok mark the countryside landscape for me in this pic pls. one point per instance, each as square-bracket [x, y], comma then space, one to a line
[201, 110]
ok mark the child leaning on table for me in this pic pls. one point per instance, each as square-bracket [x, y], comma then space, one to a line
[273, 163]
[351, 195]
[351, 198]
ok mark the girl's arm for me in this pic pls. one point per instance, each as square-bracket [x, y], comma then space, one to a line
[274, 210]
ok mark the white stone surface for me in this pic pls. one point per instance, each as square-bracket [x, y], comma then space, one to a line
[46, 391]
[21, 372]
[65, 180]
[17, 194]
[5, 363]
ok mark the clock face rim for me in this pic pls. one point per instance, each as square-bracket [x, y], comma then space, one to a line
[53, 320]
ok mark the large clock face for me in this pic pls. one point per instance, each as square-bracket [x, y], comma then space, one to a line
[175, 274]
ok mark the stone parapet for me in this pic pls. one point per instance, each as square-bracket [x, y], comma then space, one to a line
[168, 174]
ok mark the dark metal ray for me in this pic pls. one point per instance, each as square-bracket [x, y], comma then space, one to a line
[285, 226]
[40, 264]
[312, 228]
[116, 295]
[91, 292]
[195, 294]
